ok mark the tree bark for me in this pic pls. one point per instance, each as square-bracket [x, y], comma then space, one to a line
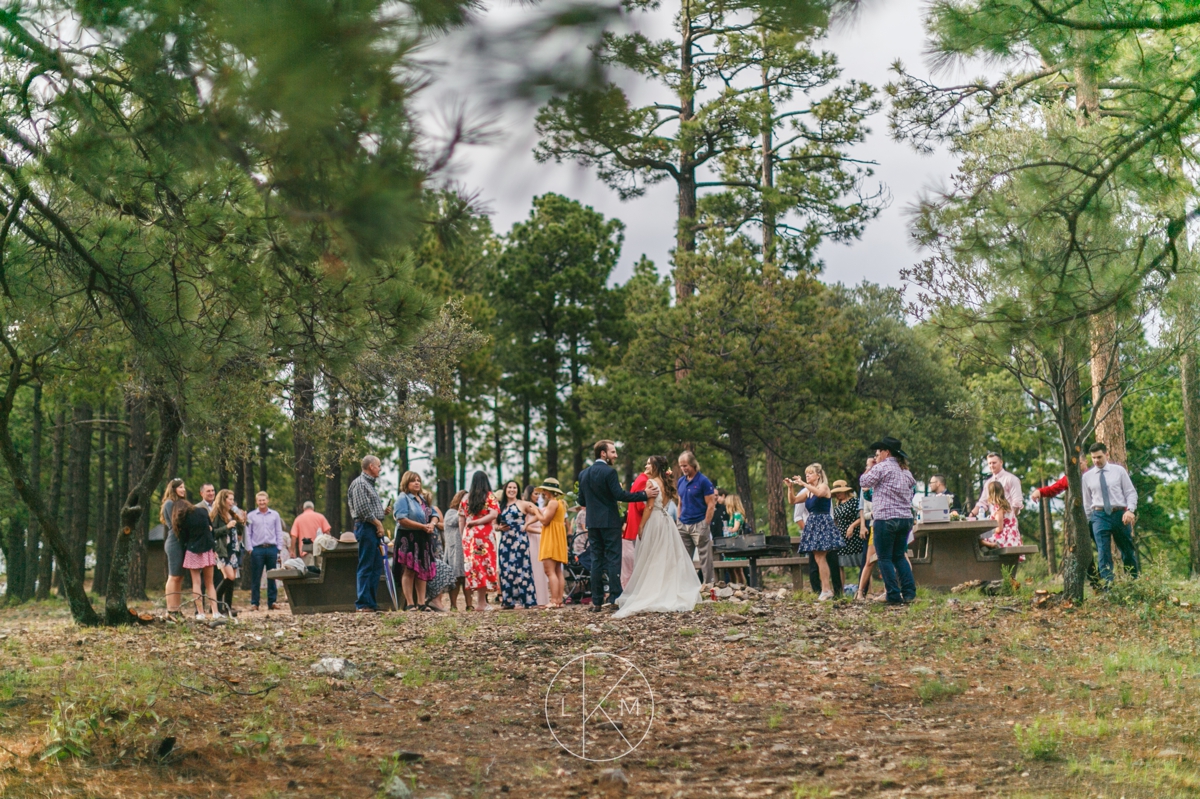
[526, 439]
[1106, 386]
[46, 562]
[333, 474]
[777, 507]
[135, 410]
[14, 557]
[1190, 379]
[79, 462]
[1069, 418]
[741, 471]
[552, 436]
[33, 540]
[497, 439]
[136, 508]
[443, 456]
[239, 483]
[304, 465]
[264, 452]
[99, 532]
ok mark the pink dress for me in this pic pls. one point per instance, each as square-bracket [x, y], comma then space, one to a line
[1009, 535]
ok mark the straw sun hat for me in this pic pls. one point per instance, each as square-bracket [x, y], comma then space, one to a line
[551, 485]
[840, 487]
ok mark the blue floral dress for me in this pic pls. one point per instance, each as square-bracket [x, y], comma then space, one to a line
[516, 575]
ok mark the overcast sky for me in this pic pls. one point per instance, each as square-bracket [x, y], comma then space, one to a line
[506, 176]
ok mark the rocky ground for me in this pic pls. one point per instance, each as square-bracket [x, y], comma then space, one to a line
[768, 695]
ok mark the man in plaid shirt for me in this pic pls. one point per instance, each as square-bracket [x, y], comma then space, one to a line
[367, 510]
[892, 485]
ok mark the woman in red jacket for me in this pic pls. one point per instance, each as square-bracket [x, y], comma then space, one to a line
[633, 523]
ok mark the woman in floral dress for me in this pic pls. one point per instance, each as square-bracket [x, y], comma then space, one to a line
[516, 573]
[477, 512]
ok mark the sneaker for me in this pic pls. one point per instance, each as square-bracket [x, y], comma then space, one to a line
[199, 617]
[825, 596]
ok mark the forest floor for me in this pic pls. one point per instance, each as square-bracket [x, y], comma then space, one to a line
[954, 695]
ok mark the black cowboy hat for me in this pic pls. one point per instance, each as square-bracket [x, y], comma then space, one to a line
[892, 445]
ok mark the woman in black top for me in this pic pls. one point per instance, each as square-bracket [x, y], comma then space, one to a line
[195, 532]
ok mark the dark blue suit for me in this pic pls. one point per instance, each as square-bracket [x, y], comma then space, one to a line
[599, 493]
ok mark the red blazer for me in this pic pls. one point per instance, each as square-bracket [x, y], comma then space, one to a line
[1055, 488]
[633, 519]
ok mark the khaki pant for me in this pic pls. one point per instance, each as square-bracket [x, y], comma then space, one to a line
[697, 537]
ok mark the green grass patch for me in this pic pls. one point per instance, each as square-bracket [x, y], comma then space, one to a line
[937, 690]
[1038, 741]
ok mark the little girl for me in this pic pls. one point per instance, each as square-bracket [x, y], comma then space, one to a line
[736, 526]
[1007, 534]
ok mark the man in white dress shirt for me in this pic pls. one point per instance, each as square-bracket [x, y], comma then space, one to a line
[1110, 501]
[1009, 481]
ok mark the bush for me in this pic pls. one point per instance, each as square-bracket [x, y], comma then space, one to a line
[935, 690]
[1037, 742]
[1150, 589]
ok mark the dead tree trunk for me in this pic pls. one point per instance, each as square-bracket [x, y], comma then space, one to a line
[46, 564]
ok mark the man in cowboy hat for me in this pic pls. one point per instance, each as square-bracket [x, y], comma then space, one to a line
[891, 484]
[599, 493]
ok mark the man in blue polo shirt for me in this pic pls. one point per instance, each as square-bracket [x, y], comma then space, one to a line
[697, 502]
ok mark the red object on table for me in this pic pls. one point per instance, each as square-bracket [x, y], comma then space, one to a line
[633, 519]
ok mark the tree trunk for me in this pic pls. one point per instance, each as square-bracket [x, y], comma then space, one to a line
[264, 452]
[333, 475]
[526, 439]
[33, 539]
[685, 234]
[443, 456]
[135, 410]
[79, 462]
[1069, 414]
[741, 471]
[136, 508]
[304, 460]
[1106, 386]
[777, 507]
[462, 456]
[552, 436]
[239, 483]
[497, 439]
[46, 562]
[1048, 536]
[99, 532]
[72, 580]
[14, 557]
[1190, 380]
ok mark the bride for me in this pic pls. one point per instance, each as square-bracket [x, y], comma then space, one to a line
[664, 579]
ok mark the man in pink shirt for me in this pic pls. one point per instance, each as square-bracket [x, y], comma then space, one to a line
[1010, 482]
[308, 525]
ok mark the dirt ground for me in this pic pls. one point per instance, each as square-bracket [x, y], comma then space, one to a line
[954, 695]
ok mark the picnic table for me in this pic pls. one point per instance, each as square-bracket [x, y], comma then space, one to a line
[946, 554]
[762, 552]
[334, 590]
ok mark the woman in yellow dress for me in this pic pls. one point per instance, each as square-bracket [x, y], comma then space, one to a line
[552, 550]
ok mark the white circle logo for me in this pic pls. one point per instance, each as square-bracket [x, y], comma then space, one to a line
[599, 707]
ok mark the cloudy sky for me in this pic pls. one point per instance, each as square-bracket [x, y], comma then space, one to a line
[506, 177]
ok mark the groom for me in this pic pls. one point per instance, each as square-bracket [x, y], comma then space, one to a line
[599, 492]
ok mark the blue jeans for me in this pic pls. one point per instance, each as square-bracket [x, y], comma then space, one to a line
[263, 558]
[1106, 527]
[370, 565]
[891, 546]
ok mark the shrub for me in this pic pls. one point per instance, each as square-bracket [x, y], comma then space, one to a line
[1038, 742]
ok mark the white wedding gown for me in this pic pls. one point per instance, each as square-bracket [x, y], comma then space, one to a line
[664, 579]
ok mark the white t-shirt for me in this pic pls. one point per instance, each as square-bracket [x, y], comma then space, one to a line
[800, 513]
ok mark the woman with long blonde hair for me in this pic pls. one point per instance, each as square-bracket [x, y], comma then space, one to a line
[820, 536]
